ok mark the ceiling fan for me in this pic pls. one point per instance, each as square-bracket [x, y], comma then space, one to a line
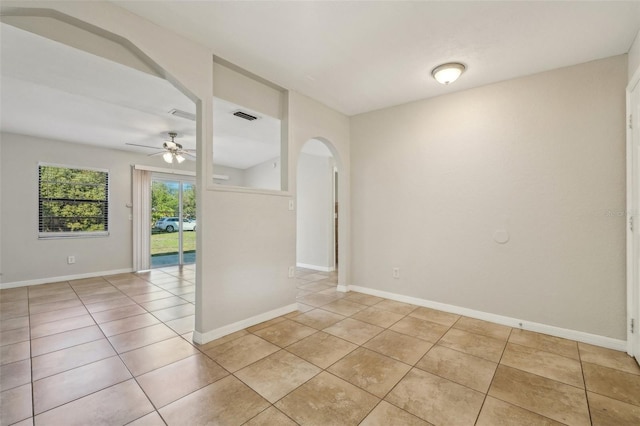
[171, 150]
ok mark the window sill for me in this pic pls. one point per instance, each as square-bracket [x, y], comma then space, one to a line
[72, 235]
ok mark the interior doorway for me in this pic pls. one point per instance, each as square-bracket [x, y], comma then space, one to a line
[317, 208]
[173, 220]
[633, 207]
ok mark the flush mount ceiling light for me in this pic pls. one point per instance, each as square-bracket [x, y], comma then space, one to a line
[448, 73]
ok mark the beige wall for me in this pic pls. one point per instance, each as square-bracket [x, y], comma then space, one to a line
[264, 175]
[236, 176]
[542, 157]
[27, 258]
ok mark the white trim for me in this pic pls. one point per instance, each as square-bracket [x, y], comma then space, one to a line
[63, 278]
[342, 288]
[208, 336]
[632, 190]
[316, 267]
[579, 336]
[163, 170]
[631, 252]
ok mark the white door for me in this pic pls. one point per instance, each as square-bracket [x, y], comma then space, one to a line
[633, 205]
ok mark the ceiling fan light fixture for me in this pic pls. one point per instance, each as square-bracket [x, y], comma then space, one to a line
[168, 157]
[180, 158]
[448, 73]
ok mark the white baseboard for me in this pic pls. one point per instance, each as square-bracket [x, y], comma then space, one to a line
[316, 267]
[342, 288]
[208, 336]
[64, 278]
[580, 336]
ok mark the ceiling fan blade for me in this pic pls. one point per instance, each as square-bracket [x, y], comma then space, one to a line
[156, 154]
[188, 154]
[143, 146]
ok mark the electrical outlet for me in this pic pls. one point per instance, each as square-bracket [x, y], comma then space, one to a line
[292, 271]
[71, 260]
[396, 273]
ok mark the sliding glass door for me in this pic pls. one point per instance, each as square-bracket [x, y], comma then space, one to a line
[173, 221]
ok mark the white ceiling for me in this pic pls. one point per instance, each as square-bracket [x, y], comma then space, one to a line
[358, 56]
[353, 56]
[241, 143]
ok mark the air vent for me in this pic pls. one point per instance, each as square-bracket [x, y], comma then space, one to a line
[183, 114]
[244, 115]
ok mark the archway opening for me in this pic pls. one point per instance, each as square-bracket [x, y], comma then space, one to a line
[317, 237]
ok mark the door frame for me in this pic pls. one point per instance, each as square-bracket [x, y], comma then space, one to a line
[632, 124]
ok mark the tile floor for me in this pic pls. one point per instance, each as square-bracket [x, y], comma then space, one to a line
[117, 350]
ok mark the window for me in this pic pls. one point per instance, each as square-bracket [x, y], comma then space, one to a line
[72, 201]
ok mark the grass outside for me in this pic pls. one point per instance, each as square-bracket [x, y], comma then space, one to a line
[167, 242]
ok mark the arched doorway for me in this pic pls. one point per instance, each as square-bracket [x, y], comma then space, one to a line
[317, 237]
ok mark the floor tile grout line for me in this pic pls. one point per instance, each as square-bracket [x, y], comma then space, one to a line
[145, 415]
[80, 397]
[33, 396]
[33, 382]
[57, 310]
[613, 398]
[285, 350]
[543, 377]
[270, 406]
[115, 384]
[541, 350]
[362, 346]
[521, 408]
[72, 346]
[534, 374]
[413, 367]
[129, 370]
[584, 382]
[486, 394]
[143, 346]
[460, 351]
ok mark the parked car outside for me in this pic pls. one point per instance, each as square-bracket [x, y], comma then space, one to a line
[171, 224]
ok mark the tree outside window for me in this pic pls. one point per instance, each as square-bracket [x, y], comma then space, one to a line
[73, 201]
